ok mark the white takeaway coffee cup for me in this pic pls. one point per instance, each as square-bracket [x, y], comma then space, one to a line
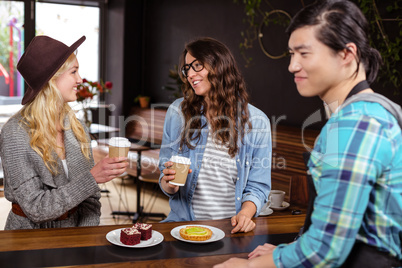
[119, 146]
[181, 165]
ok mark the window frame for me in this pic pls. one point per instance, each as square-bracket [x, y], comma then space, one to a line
[30, 18]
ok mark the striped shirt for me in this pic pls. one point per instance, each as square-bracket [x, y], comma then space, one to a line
[214, 196]
[356, 165]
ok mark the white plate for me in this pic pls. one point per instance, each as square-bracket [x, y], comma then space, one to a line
[266, 212]
[114, 238]
[284, 206]
[217, 234]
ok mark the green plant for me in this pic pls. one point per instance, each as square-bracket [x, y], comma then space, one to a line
[139, 96]
[250, 34]
[175, 83]
[142, 100]
[390, 47]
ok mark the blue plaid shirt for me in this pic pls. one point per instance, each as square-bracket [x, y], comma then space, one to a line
[356, 166]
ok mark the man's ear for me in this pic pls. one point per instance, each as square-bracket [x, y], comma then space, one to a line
[349, 54]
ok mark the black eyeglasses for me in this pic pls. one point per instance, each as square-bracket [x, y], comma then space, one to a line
[197, 67]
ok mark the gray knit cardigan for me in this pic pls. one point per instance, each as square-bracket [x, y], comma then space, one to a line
[42, 196]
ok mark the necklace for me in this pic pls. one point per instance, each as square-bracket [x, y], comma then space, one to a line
[357, 88]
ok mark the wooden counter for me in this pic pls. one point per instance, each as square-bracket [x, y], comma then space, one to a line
[88, 246]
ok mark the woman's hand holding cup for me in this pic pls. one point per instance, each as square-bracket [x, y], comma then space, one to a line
[175, 174]
[168, 175]
[116, 164]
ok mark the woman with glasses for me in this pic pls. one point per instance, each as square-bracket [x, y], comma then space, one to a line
[227, 140]
[356, 164]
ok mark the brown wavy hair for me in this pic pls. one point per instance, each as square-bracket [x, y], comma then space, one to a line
[227, 98]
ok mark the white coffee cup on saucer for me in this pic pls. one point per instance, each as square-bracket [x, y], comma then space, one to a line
[276, 198]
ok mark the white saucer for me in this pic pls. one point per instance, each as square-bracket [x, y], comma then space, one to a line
[266, 212]
[284, 206]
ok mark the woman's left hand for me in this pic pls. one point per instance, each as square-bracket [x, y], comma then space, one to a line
[242, 223]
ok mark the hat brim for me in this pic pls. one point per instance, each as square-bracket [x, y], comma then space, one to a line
[30, 94]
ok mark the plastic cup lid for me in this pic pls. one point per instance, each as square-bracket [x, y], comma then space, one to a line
[119, 142]
[180, 159]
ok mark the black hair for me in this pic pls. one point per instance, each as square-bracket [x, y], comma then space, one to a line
[340, 22]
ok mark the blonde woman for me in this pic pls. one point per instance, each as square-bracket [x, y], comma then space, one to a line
[49, 172]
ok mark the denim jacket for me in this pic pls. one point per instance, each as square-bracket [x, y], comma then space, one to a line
[253, 162]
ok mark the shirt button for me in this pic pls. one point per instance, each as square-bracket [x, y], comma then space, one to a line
[238, 160]
[238, 198]
[238, 178]
[247, 163]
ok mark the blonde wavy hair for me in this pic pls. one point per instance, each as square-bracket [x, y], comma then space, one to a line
[45, 113]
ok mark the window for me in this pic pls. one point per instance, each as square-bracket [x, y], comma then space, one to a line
[67, 23]
[11, 49]
[64, 20]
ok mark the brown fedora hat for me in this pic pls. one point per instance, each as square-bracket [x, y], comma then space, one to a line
[41, 60]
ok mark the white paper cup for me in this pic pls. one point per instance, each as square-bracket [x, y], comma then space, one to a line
[119, 146]
[181, 165]
[276, 198]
